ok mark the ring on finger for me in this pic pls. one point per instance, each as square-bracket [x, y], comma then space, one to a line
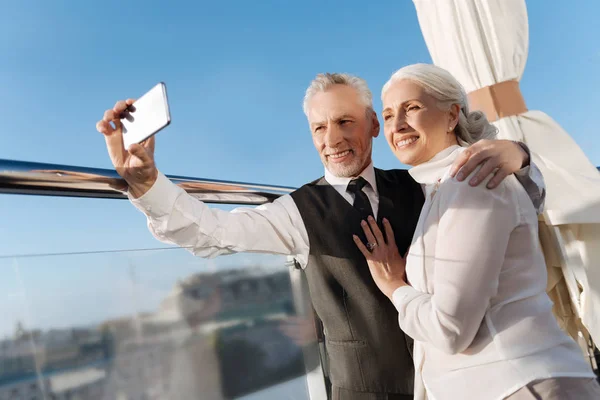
[371, 246]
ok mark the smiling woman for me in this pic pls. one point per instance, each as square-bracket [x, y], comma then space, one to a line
[424, 114]
[472, 286]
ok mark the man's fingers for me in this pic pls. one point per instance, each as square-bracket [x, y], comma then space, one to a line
[113, 136]
[114, 114]
[109, 115]
[116, 148]
[488, 168]
[110, 126]
[149, 144]
[119, 107]
[475, 159]
[104, 127]
[460, 161]
[361, 247]
[498, 177]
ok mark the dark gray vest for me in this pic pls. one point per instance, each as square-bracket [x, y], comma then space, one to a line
[366, 349]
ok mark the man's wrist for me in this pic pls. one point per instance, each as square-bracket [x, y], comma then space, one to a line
[527, 154]
[138, 189]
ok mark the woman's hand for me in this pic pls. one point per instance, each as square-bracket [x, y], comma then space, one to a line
[385, 263]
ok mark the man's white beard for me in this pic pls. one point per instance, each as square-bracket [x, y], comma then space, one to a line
[349, 170]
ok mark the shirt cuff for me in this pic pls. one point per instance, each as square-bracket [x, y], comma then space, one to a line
[523, 172]
[401, 294]
[532, 180]
[159, 200]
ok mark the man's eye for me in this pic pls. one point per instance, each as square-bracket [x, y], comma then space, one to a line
[345, 122]
[387, 117]
[318, 129]
[413, 107]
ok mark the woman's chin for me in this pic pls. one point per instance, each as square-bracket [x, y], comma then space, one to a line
[407, 157]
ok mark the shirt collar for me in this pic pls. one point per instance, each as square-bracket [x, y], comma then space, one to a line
[368, 173]
[433, 170]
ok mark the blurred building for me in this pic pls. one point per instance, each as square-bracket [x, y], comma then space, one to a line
[207, 329]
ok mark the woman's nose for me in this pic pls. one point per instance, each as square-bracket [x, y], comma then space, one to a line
[400, 124]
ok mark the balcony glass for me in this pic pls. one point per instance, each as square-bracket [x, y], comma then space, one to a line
[149, 324]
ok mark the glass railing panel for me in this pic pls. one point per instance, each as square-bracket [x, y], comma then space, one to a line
[151, 324]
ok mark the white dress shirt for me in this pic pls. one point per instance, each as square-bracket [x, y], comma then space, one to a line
[477, 306]
[175, 217]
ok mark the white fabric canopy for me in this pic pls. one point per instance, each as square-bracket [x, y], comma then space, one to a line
[483, 42]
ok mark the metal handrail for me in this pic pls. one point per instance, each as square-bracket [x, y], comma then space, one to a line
[32, 178]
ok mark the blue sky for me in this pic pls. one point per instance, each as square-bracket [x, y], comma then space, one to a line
[235, 72]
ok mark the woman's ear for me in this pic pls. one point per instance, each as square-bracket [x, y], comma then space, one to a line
[453, 117]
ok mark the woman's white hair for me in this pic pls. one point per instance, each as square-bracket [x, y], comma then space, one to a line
[439, 83]
[323, 82]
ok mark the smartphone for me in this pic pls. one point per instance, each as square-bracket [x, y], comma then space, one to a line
[147, 116]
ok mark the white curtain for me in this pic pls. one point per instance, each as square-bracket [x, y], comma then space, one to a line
[483, 42]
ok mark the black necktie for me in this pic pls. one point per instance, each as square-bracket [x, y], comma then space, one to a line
[361, 201]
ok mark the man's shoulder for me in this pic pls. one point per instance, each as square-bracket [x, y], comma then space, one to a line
[309, 189]
[312, 193]
[317, 182]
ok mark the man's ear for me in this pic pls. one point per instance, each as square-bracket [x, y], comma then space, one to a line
[375, 128]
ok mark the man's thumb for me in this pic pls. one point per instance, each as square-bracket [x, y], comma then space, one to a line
[140, 152]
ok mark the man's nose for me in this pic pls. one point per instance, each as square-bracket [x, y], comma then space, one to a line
[334, 136]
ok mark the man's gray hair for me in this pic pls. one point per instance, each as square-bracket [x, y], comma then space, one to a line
[324, 81]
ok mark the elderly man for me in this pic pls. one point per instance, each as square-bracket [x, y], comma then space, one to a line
[315, 224]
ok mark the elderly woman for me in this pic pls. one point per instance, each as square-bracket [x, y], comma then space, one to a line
[471, 291]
